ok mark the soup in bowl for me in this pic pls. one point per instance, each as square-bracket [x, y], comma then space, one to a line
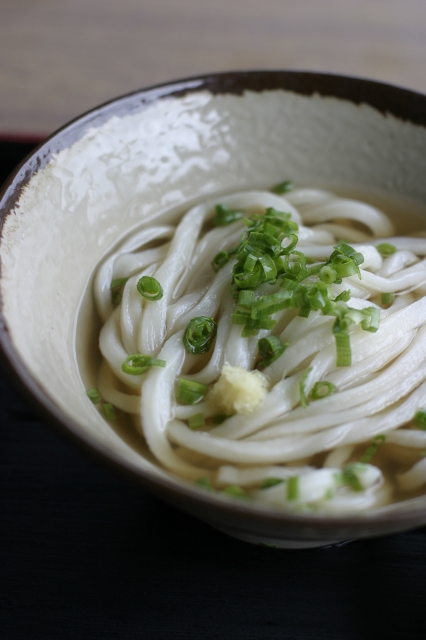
[218, 286]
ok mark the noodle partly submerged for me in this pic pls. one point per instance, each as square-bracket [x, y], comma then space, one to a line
[306, 385]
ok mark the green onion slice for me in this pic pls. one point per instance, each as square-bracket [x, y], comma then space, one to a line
[350, 478]
[420, 419]
[225, 216]
[371, 450]
[343, 349]
[204, 483]
[150, 288]
[199, 335]
[387, 298]
[109, 411]
[302, 393]
[235, 491]
[116, 286]
[293, 488]
[220, 260]
[189, 391]
[221, 417]
[118, 283]
[137, 364]
[271, 482]
[327, 274]
[283, 187]
[322, 389]
[270, 349]
[196, 421]
[94, 395]
[386, 249]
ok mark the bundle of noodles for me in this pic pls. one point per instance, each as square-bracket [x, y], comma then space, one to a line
[273, 346]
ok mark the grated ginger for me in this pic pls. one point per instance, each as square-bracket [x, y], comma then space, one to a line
[238, 390]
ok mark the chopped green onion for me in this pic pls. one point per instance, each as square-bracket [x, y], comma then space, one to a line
[220, 260]
[225, 216]
[350, 478]
[347, 251]
[270, 349]
[372, 449]
[246, 298]
[199, 334]
[109, 411]
[221, 417]
[94, 395]
[137, 364]
[190, 392]
[386, 249]
[283, 187]
[204, 483]
[420, 419]
[345, 296]
[303, 398]
[293, 488]
[387, 298]
[271, 482]
[343, 349]
[322, 389]
[327, 274]
[372, 319]
[196, 422]
[116, 286]
[118, 283]
[235, 491]
[150, 288]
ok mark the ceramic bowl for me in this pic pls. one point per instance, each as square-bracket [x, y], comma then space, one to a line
[91, 182]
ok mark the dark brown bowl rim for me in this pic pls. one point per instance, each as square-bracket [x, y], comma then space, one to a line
[403, 104]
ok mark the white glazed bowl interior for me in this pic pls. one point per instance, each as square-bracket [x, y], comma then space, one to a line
[176, 149]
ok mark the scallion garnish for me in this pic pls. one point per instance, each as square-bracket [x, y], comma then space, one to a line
[386, 249]
[116, 287]
[94, 395]
[271, 482]
[199, 334]
[327, 274]
[224, 216]
[109, 411]
[343, 348]
[190, 392]
[204, 483]
[150, 288]
[220, 260]
[302, 392]
[387, 298]
[372, 449]
[137, 364]
[322, 389]
[420, 419]
[118, 283]
[293, 488]
[267, 252]
[270, 349]
[196, 422]
[283, 187]
[221, 417]
[235, 491]
[350, 478]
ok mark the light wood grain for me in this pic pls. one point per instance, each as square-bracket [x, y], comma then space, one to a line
[59, 58]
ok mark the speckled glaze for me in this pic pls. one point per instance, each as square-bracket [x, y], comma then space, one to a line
[155, 150]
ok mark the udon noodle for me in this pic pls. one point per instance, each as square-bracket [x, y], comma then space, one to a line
[306, 432]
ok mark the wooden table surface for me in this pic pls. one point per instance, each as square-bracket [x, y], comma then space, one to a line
[59, 58]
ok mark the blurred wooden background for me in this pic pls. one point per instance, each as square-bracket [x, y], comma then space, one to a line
[59, 58]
